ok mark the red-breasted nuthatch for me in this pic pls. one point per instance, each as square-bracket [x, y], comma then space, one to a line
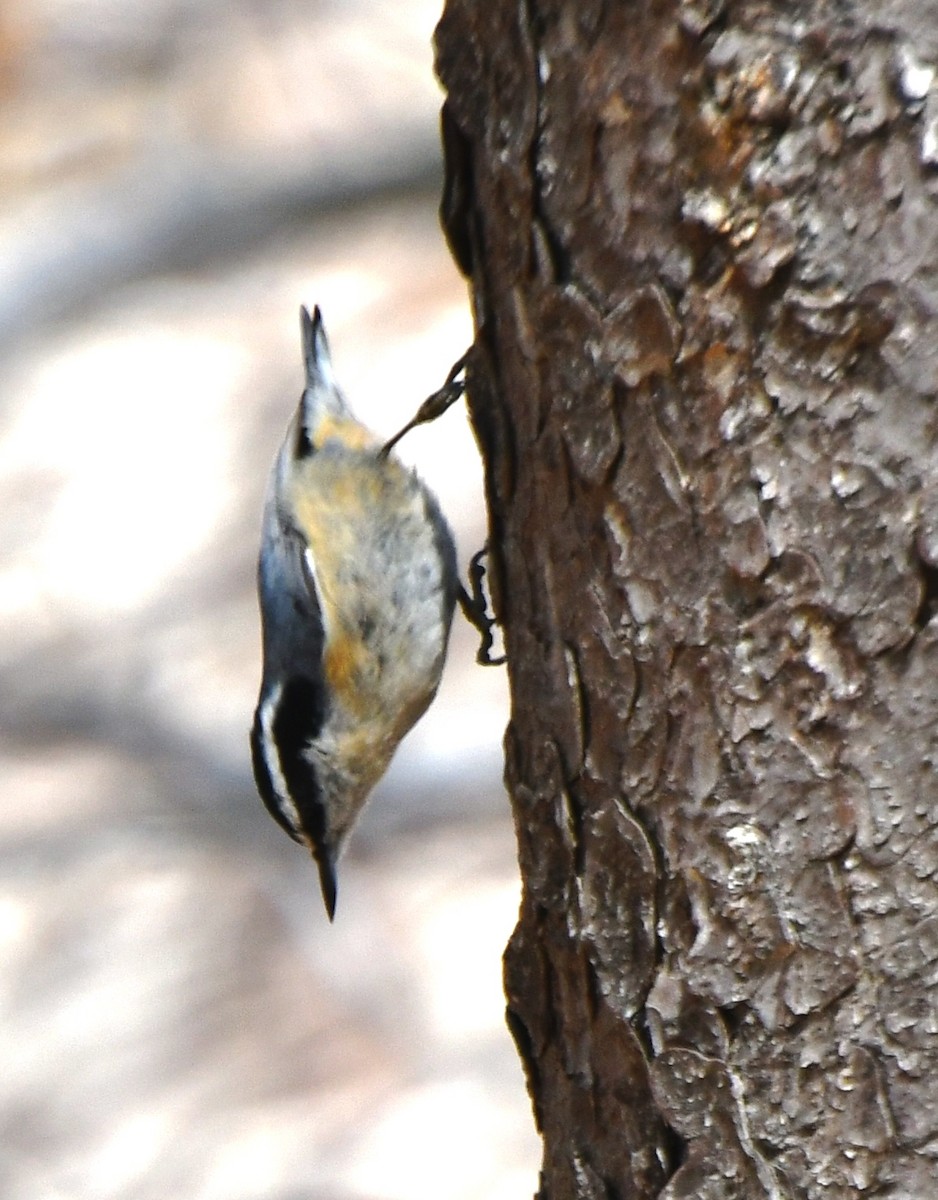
[357, 583]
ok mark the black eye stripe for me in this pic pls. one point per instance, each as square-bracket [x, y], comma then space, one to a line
[299, 718]
[300, 713]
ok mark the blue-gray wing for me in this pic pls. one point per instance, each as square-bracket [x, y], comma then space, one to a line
[293, 705]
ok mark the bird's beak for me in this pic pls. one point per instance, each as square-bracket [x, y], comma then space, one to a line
[326, 865]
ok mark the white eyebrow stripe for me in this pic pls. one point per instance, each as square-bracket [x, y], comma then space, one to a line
[274, 769]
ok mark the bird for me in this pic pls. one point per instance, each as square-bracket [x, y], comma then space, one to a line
[357, 584]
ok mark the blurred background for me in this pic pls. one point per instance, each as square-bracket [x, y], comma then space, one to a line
[177, 1016]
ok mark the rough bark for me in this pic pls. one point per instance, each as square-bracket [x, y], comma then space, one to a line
[703, 250]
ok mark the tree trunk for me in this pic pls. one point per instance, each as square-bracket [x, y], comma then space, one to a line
[703, 250]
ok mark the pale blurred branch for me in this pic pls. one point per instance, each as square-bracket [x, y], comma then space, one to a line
[179, 213]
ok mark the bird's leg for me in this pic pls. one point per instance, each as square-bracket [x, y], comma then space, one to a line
[475, 609]
[434, 406]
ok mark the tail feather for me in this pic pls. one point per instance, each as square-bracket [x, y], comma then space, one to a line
[321, 396]
[316, 355]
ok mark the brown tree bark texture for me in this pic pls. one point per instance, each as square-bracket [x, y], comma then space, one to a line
[703, 251]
